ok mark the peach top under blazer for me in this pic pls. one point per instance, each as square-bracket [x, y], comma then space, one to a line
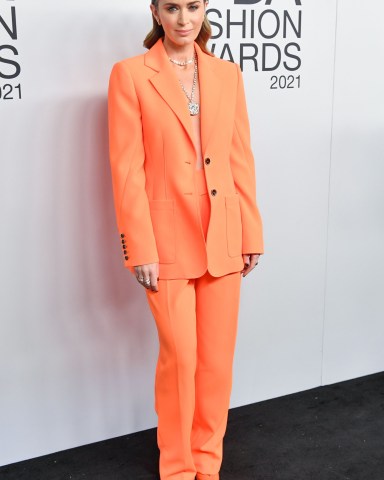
[153, 158]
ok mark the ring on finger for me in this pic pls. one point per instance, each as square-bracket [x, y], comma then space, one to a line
[140, 279]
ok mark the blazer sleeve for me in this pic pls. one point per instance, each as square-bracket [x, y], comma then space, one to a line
[127, 155]
[243, 170]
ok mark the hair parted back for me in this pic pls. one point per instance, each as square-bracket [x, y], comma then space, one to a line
[158, 32]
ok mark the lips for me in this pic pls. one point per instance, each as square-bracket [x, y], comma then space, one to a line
[183, 32]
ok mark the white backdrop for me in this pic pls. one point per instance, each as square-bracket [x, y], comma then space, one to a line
[78, 345]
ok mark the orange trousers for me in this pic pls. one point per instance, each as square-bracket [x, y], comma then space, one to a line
[196, 320]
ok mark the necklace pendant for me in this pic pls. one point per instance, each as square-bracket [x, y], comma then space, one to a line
[193, 108]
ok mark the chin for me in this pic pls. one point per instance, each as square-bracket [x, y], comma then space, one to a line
[184, 41]
[179, 43]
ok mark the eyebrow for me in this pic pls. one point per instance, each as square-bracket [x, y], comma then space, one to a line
[172, 3]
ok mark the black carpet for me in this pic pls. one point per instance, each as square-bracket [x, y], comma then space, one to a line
[334, 432]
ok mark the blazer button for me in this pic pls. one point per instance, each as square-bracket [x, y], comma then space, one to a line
[213, 192]
[126, 257]
[207, 161]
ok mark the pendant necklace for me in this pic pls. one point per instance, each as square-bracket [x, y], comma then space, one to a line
[192, 106]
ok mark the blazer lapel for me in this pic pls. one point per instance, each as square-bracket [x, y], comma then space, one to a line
[166, 83]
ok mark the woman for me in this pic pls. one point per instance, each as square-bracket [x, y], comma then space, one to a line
[185, 196]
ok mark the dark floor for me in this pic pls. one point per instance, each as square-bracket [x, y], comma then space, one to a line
[334, 432]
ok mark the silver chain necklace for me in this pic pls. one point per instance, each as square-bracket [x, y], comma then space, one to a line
[193, 106]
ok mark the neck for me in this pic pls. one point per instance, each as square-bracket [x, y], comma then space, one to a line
[179, 52]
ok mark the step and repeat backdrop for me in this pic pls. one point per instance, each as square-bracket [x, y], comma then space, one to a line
[78, 346]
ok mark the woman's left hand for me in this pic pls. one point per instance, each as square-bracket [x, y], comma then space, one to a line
[250, 262]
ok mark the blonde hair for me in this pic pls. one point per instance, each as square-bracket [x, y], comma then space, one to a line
[158, 32]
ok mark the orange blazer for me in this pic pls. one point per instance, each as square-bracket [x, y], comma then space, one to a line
[152, 158]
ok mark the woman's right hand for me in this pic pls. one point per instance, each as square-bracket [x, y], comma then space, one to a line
[147, 275]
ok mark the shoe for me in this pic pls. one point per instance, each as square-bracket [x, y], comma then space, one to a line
[207, 476]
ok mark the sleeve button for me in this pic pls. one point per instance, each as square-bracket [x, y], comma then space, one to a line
[122, 235]
[126, 257]
[213, 192]
[207, 161]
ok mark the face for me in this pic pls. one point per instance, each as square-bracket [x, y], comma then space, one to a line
[181, 19]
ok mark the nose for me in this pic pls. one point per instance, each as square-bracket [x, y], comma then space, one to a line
[182, 20]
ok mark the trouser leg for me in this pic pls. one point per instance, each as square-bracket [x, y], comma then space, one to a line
[174, 310]
[217, 305]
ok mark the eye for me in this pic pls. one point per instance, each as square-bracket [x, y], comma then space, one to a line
[191, 7]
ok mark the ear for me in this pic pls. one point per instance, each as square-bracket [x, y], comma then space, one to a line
[153, 10]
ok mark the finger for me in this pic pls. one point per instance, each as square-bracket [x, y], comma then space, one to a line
[139, 274]
[253, 261]
[256, 257]
[143, 277]
[146, 278]
[246, 261]
[246, 269]
[147, 283]
[153, 278]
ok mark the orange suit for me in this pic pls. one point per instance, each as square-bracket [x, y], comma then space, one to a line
[196, 224]
[153, 159]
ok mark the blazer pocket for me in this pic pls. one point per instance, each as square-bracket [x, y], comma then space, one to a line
[163, 223]
[234, 225]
